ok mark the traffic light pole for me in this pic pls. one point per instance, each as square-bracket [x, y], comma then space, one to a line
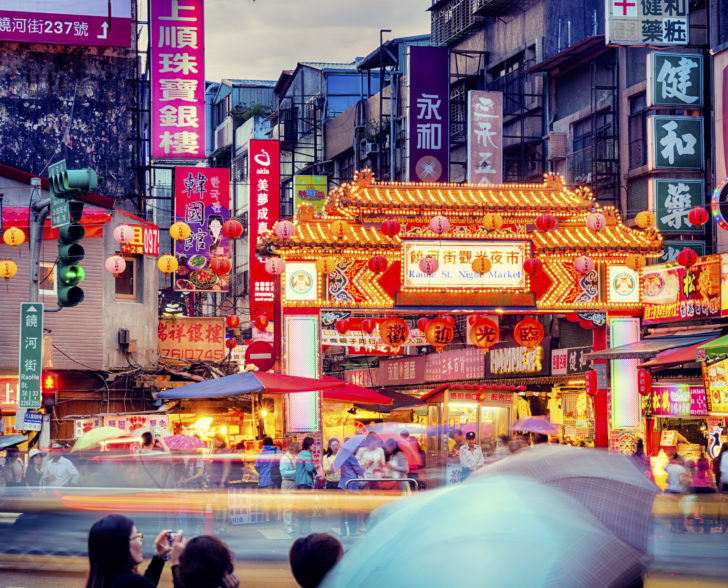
[39, 210]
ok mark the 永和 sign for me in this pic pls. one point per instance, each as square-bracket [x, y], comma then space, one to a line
[675, 79]
[674, 199]
[485, 137]
[647, 22]
[31, 355]
[192, 338]
[675, 142]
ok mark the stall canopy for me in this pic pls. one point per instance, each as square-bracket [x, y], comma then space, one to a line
[348, 392]
[683, 355]
[650, 346]
[717, 348]
[246, 383]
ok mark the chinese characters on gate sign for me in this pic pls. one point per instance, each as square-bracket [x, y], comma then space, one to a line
[178, 79]
[674, 199]
[647, 22]
[485, 135]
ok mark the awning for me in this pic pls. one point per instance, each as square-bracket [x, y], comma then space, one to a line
[647, 348]
[716, 348]
[672, 357]
[348, 392]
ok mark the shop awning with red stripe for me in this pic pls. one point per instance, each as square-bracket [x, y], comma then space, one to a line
[672, 357]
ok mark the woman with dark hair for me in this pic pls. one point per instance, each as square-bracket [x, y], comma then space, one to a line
[115, 550]
[304, 481]
[312, 557]
[332, 477]
[203, 562]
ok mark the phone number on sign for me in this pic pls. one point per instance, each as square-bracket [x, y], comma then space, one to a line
[177, 353]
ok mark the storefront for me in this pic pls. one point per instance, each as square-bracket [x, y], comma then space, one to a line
[569, 403]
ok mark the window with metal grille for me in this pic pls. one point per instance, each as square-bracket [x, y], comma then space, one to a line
[637, 131]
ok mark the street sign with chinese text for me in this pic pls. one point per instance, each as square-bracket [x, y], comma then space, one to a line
[675, 79]
[192, 338]
[656, 23]
[671, 249]
[675, 142]
[31, 355]
[60, 213]
[674, 199]
[485, 137]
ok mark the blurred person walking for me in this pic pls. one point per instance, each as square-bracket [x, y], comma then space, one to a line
[220, 467]
[304, 481]
[34, 472]
[153, 466]
[115, 550]
[267, 459]
[288, 483]
[471, 457]
[722, 458]
[14, 470]
[59, 471]
[349, 470]
[371, 457]
[678, 481]
[332, 477]
[312, 557]
[701, 483]
[202, 562]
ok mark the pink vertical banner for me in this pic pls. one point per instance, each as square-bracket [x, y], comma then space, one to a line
[178, 79]
[485, 137]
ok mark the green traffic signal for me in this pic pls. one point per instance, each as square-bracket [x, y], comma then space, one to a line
[70, 252]
[70, 183]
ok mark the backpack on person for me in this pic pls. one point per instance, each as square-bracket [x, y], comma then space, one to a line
[275, 472]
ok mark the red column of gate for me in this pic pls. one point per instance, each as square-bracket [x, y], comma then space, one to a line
[601, 416]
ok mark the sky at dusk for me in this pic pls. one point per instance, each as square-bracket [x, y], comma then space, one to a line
[257, 40]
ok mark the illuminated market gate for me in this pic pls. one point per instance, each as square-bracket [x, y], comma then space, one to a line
[388, 251]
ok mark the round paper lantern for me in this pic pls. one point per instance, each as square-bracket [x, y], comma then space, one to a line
[368, 325]
[428, 265]
[532, 266]
[326, 265]
[390, 227]
[8, 269]
[484, 333]
[481, 265]
[698, 216]
[340, 229]
[231, 342]
[439, 224]
[220, 264]
[584, 264]
[232, 228]
[342, 326]
[261, 322]
[14, 237]
[285, 229]
[493, 221]
[125, 233]
[439, 333]
[687, 257]
[378, 264]
[167, 264]
[596, 221]
[115, 264]
[274, 266]
[635, 261]
[545, 222]
[645, 219]
[422, 323]
[179, 231]
[528, 333]
[232, 321]
[394, 332]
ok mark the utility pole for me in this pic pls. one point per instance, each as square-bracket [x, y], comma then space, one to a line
[39, 210]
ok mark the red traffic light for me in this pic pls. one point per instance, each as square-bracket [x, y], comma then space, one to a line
[50, 382]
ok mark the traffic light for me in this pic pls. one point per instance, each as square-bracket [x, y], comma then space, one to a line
[49, 388]
[70, 252]
[73, 182]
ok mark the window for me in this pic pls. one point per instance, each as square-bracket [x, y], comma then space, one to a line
[126, 283]
[47, 279]
[637, 131]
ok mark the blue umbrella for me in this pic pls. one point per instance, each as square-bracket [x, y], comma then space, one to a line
[348, 449]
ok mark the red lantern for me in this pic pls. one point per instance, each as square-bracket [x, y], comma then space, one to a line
[394, 332]
[644, 381]
[687, 257]
[232, 229]
[484, 333]
[533, 265]
[342, 325]
[368, 325]
[450, 319]
[232, 321]
[422, 323]
[220, 265]
[528, 333]
[261, 322]
[274, 265]
[473, 318]
[545, 222]
[698, 216]
[428, 265]
[231, 342]
[439, 333]
[584, 264]
[390, 227]
[378, 264]
[592, 382]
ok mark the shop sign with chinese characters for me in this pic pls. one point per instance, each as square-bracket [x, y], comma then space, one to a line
[485, 137]
[396, 372]
[671, 249]
[144, 242]
[676, 79]
[656, 23]
[672, 292]
[506, 359]
[159, 424]
[675, 142]
[570, 360]
[8, 393]
[368, 378]
[677, 400]
[202, 200]
[455, 260]
[502, 398]
[192, 338]
[177, 64]
[458, 364]
[31, 355]
[674, 199]
[310, 191]
[332, 337]
[716, 385]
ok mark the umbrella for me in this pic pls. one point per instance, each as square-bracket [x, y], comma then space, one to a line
[11, 440]
[349, 392]
[348, 449]
[536, 424]
[412, 455]
[245, 383]
[184, 442]
[608, 485]
[90, 439]
[509, 530]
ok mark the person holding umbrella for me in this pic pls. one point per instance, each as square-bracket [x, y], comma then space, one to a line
[471, 456]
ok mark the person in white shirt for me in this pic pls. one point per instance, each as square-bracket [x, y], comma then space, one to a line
[471, 457]
[59, 471]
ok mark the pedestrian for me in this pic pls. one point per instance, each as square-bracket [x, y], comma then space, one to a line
[203, 562]
[457, 439]
[313, 556]
[304, 481]
[723, 467]
[115, 550]
[13, 472]
[59, 471]
[34, 471]
[502, 446]
[268, 458]
[288, 483]
[678, 481]
[397, 465]
[220, 467]
[153, 465]
[332, 477]
[471, 457]
[641, 461]
[350, 470]
[371, 457]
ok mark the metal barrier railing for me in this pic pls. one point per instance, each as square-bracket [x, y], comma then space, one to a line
[410, 481]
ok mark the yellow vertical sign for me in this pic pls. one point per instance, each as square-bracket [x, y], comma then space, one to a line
[310, 191]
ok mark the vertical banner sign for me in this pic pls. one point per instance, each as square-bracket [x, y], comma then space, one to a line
[303, 408]
[626, 403]
[264, 158]
[31, 355]
[428, 138]
[485, 137]
[720, 127]
[676, 79]
[178, 79]
[674, 199]
[310, 191]
[675, 142]
[202, 200]
[655, 23]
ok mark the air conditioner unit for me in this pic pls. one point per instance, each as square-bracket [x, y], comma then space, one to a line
[372, 148]
[557, 146]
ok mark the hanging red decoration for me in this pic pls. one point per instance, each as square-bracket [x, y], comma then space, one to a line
[390, 227]
[394, 332]
[428, 265]
[422, 323]
[220, 264]
[439, 333]
[231, 342]
[591, 382]
[698, 216]
[472, 319]
[232, 228]
[528, 333]
[584, 264]
[378, 264]
[274, 265]
[450, 319]
[342, 326]
[484, 333]
[232, 321]
[644, 381]
[687, 257]
[532, 266]
[368, 326]
[261, 322]
[546, 222]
